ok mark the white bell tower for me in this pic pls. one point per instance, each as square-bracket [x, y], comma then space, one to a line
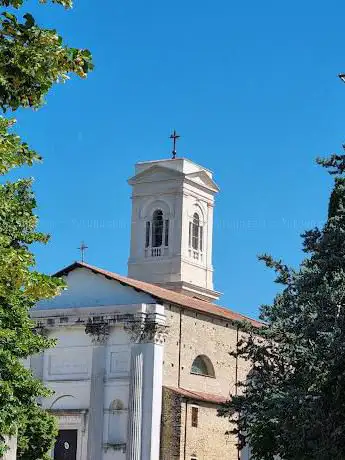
[172, 223]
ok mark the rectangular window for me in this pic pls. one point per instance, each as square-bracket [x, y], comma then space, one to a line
[157, 233]
[147, 237]
[195, 236]
[201, 238]
[166, 238]
[195, 416]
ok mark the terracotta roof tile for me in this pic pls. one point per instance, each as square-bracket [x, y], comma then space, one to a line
[165, 294]
[198, 396]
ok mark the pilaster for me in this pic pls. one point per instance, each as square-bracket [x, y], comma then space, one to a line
[99, 334]
[135, 404]
[36, 365]
[145, 397]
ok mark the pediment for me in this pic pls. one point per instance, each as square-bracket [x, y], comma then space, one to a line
[203, 179]
[155, 174]
[87, 289]
[161, 173]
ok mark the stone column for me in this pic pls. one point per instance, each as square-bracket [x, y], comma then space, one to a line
[145, 396]
[96, 410]
[37, 360]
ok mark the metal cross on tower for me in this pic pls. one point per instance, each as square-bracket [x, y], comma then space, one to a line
[174, 136]
[82, 250]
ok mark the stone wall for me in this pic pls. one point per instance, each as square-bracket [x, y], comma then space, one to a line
[191, 334]
[208, 440]
[181, 440]
[171, 426]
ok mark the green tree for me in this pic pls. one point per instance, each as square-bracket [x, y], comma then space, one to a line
[32, 59]
[292, 405]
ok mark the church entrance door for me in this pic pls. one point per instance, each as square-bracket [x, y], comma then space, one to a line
[66, 445]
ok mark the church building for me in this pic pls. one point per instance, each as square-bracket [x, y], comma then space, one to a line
[143, 362]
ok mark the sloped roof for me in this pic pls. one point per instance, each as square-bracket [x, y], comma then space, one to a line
[165, 295]
[198, 396]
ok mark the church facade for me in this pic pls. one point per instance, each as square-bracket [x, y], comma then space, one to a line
[143, 362]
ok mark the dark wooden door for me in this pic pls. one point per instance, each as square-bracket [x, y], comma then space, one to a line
[66, 445]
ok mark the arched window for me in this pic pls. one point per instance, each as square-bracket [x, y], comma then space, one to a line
[195, 238]
[195, 231]
[202, 366]
[157, 234]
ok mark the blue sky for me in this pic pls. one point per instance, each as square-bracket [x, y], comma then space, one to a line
[250, 86]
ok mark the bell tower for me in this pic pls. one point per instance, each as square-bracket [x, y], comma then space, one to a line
[172, 223]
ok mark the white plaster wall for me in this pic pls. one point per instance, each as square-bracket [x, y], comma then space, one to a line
[87, 289]
[118, 336]
[67, 371]
[70, 336]
[197, 274]
[67, 363]
[67, 368]
[68, 395]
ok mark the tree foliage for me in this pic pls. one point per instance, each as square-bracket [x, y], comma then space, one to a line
[32, 59]
[292, 405]
[37, 430]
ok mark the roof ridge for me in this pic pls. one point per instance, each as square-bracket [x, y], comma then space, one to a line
[215, 398]
[165, 294]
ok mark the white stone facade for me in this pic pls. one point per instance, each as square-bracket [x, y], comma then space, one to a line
[106, 368]
[112, 362]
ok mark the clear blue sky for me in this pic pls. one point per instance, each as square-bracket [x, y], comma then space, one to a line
[250, 86]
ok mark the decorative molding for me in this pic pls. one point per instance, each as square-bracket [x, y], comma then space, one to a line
[40, 329]
[68, 364]
[98, 330]
[199, 207]
[119, 361]
[71, 418]
[146, 329]
[115, 446]
[156, 173]
[146, 209]
[46, 320]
